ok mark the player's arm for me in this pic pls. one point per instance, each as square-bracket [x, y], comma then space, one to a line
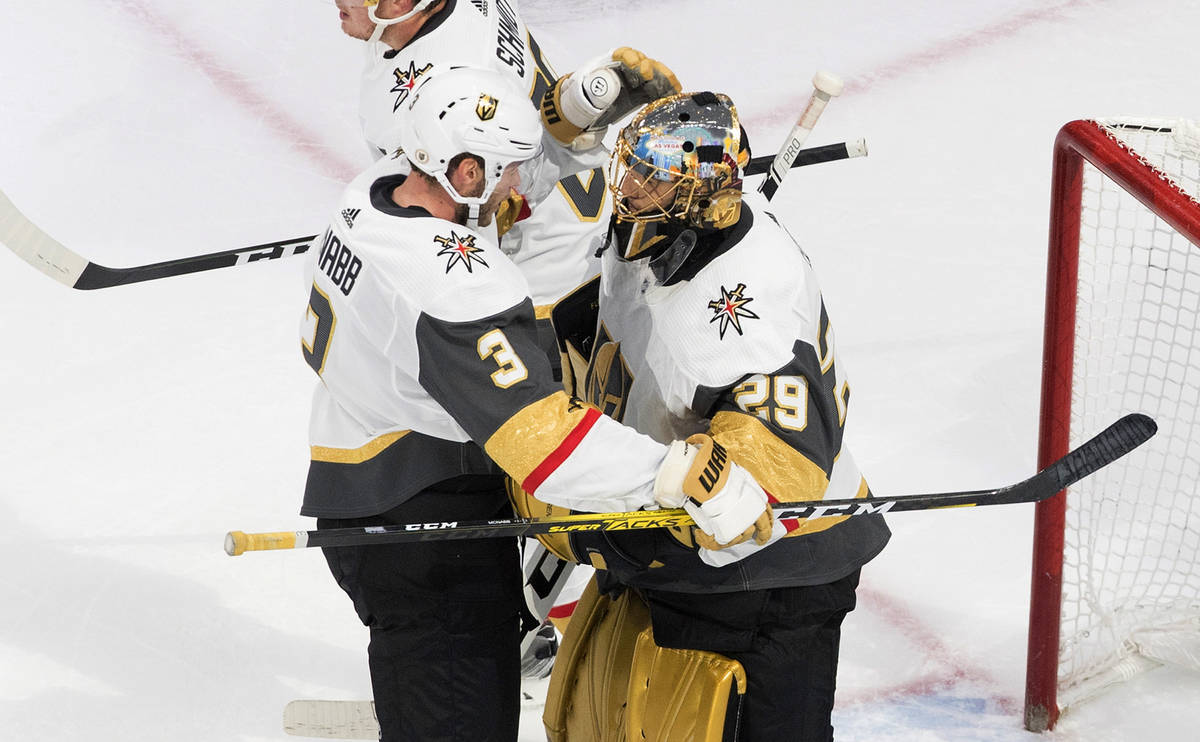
[785, 427]
[602, 91]
[495, 381]
[492, 377]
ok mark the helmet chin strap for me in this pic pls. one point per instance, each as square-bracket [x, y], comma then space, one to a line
[473, 204]
[381, 24]
[473, 216]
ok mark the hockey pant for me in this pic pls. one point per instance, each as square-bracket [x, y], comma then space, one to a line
[444, 618]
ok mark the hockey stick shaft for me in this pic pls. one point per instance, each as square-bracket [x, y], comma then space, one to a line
[826, 86]
[62, 264]
[811, 156]
[1109, 445]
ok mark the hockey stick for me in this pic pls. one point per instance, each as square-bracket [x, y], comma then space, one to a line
[59, 262]
[825, 87]
[1109, 445]
[810, 156]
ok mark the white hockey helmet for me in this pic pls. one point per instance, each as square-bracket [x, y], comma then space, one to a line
[474, 111]
[382, 23]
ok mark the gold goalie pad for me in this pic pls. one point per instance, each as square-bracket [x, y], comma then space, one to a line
[585, 701]
[679, 695]
[611, 683]
[527, 506]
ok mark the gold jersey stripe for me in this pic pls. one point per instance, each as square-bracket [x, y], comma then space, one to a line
[357, 455]
[529, 437]
[542, 311]
[780, 469]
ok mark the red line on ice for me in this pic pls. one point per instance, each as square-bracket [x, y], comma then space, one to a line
[955, 668]
[291, 131]
[932, 56]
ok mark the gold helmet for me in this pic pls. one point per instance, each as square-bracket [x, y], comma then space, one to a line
[680, 160]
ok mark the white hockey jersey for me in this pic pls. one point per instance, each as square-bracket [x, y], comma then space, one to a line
[555, 246]
[741, 348]
[425, 341]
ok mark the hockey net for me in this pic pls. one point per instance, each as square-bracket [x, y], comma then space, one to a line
[1116, 578]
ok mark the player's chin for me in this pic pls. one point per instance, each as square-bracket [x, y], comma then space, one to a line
[353, 32]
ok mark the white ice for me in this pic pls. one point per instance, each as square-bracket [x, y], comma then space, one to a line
[141, 423]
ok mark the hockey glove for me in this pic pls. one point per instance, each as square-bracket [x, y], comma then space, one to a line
[604, 90]
[724, 500]
[512, 209]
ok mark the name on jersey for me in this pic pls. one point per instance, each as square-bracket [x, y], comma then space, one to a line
[337, 262]
[510, 45]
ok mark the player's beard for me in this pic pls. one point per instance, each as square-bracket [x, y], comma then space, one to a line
[462, 211]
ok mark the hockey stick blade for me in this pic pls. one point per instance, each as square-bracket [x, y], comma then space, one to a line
[64, 265]
[331, 719]
[1109, 445]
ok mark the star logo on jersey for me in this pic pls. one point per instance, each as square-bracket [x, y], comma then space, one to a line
[460, 250]
[406, 80]
[731, 309]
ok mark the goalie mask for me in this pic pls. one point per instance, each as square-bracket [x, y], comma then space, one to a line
[467, 110]
[679, 161]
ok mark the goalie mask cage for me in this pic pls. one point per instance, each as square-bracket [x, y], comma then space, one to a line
[1116, 584]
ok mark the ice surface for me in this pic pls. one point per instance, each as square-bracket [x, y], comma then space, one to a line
[141, 423]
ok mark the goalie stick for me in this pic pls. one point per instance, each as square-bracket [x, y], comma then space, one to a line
[1112, 443]
[56, 260]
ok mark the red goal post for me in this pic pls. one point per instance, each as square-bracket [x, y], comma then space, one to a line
[1122, 307]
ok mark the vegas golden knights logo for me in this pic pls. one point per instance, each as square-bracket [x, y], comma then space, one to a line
[485, 109]
[608, 378]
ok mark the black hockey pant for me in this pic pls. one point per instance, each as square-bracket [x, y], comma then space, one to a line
[444, 618]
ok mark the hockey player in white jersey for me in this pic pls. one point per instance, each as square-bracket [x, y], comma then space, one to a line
[409, 39]
[432, 388]
[711, 323]
[553, 244]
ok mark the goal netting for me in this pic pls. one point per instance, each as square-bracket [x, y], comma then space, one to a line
[1122, 335]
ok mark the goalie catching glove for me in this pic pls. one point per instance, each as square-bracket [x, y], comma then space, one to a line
[604, 90]
[724, 500]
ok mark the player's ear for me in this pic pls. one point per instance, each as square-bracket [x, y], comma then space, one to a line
[467, 176]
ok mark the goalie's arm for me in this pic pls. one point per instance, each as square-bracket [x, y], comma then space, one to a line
[786, 427]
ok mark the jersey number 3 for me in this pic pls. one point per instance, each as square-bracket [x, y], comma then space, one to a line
[317, 349]
[495, 345]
